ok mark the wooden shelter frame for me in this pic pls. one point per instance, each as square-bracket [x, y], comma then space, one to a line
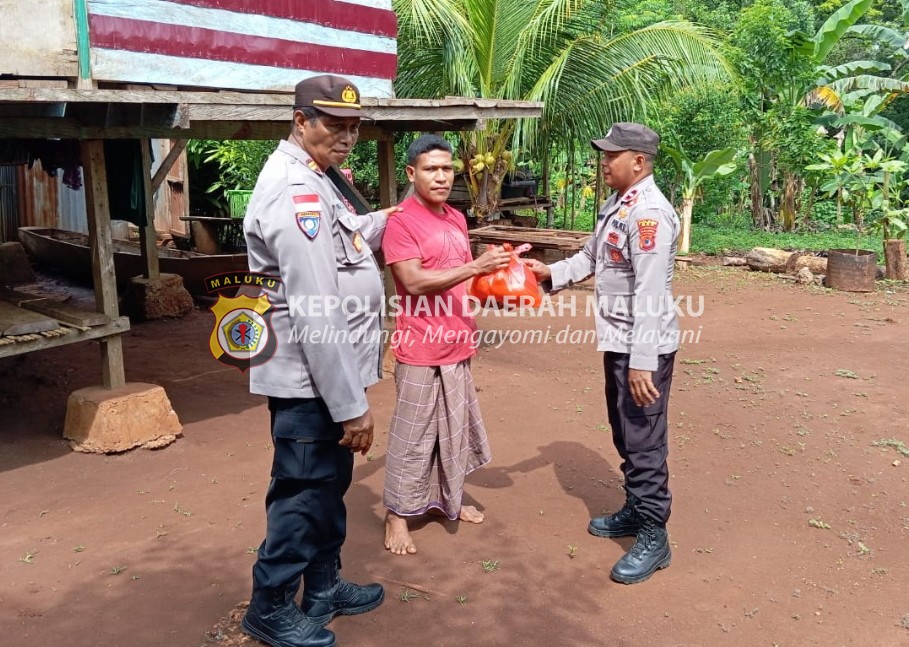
[93, 115]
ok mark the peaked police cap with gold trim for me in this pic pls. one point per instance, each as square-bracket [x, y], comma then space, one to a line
[333, 95]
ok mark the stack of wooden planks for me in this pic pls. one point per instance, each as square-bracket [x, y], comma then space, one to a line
[566, 241]
[28, 317]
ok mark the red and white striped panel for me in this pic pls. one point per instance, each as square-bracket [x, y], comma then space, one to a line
[244, 44]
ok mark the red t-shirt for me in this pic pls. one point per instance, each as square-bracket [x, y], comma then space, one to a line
[437, 328]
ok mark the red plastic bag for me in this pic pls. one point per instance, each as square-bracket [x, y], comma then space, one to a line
[514, 286]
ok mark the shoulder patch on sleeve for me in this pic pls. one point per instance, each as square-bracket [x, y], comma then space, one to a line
[647, 233]
[308, 213]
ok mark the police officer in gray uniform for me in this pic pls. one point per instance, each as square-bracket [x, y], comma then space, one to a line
[631, 254]
[298, 228]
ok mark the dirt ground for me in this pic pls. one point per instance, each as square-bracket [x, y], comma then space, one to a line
[789, 526]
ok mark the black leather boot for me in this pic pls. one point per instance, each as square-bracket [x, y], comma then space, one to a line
[326, 594]
[275, 619]
[624, 523]
[649, 553]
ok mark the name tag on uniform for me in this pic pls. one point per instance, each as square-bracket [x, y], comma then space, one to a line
[308, 213]
[358, 241]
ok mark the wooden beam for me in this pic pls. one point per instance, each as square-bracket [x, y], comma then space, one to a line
[66, 128]
[105, 280]
[148, 237]
[106, 333]
[372, 107]
[388, 188]
[54, 308]
[177, 148]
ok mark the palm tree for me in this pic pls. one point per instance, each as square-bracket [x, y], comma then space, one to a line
[561, 52]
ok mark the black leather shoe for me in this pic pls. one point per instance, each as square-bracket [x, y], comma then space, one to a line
[326, 594]
[649, 554]
[275, 619]
[624, 523]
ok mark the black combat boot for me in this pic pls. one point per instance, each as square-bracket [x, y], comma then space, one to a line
[326, 594]
[275, 619]
[624, 523]
[649, 553]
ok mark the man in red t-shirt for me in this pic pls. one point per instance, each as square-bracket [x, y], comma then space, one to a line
[437, 435]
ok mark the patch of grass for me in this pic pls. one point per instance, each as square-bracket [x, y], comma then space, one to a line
[904, 623]
[817, 523]
[116, 570]
[183, 511]
[721, 240]
[490, 565]
[79, 548]
[407, 595]
[461, 599]
[893, 443]
[842, 372]
[572, 551]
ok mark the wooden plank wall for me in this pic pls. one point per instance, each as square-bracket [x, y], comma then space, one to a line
[39, 38]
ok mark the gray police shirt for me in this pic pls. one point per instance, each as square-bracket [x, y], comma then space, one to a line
[328, 311]
[632, 255]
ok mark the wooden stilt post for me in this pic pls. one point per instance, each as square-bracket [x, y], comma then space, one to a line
[388, 195]
[147, 234]
[105, 280]
[388, 189]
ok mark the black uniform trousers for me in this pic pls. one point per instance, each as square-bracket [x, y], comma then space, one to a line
[640, 434]
[306, 519]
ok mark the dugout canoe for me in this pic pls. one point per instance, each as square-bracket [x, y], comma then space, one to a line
[70, 252]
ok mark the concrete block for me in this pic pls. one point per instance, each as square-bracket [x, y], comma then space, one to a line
[104, 421]
[158, 298]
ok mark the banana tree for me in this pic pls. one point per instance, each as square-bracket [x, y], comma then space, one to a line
[716, 163]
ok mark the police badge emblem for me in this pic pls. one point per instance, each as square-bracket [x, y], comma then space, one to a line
[242, 335]
[308, 213]
[647, 230]
[349, 95]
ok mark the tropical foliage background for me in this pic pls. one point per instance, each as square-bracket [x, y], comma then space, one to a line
[783, 119]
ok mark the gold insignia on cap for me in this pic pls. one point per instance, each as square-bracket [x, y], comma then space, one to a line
[349, 95]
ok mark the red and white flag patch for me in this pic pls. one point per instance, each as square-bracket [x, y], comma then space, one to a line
[308, 213]
[307, 202]
[647, 231]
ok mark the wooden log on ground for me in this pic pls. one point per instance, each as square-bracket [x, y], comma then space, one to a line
[799, 260]
[768, 259]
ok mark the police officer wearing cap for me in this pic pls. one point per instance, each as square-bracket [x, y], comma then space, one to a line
[298, 228]
[632, 254]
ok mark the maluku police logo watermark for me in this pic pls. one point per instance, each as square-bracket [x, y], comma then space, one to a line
[242, 335]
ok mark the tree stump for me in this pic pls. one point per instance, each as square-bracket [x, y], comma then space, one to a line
[895, 257]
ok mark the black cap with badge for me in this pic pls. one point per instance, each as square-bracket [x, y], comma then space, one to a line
[333, 95]
[627, 136]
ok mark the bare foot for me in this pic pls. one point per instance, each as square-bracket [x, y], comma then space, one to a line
[470, 514]
[397, 536]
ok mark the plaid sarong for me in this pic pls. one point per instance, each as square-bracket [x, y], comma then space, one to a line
[436, 439]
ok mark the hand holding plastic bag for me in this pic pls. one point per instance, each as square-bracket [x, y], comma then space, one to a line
[515, 285]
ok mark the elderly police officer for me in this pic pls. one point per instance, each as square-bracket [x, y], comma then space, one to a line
[632, 253]
[298, 228]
